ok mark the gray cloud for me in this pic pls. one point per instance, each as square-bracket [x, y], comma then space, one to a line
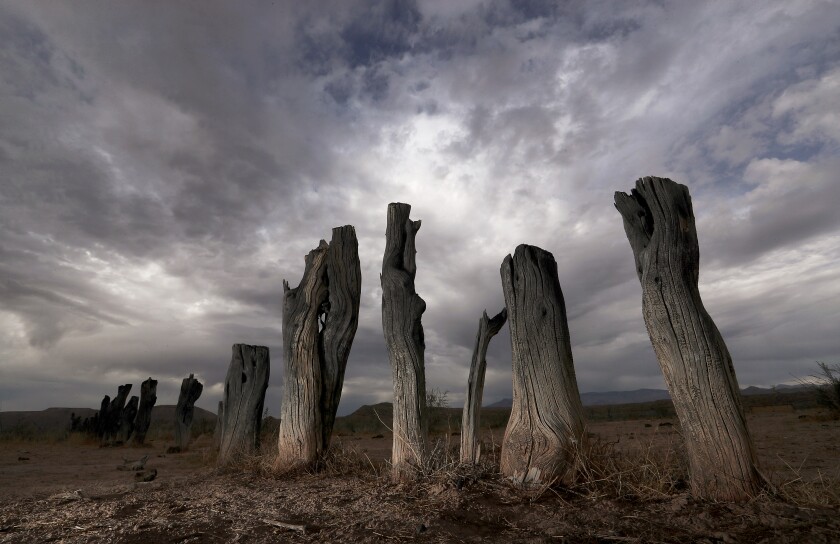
[164, 170]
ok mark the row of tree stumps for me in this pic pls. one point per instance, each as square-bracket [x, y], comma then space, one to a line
[546, 429]
[121, 421]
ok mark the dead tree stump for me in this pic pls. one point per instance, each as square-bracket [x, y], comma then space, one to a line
[659, 222]
[301, 439]
[191, 389]
[320, 318]
[127, 419]
[546, 420]
[487, 329]
[402, 309]
[245, 386]
[344, 279]
[114, 413]
[148, 398]
[102, 417]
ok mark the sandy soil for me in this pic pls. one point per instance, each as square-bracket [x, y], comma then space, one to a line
[190, 501]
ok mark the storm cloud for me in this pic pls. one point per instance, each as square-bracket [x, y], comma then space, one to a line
[163, 168]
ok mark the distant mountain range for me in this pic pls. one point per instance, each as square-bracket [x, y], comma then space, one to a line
[649, 395]
[163, 416]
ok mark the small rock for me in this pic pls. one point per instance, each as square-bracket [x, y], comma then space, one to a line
[146, 475]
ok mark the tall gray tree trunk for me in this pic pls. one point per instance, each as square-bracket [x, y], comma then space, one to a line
[487, 329]
[659, 222]
[190, 392]
[114, 412]
[127, 419]
[402, 309]
[344, 278]
[245, 386]
[148, 398]
[301, 438]
[546, 420]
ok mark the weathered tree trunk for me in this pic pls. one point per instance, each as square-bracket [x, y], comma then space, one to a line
[148, 398]
[320, 318]
[301, 438]
[220, 419]
[127, 419]
[659, 222]
[344, 277]
[402, 309]
[487, 329]
[114, 413]
[191, 389]
[101, 417]
[546, 420]
[245, 386]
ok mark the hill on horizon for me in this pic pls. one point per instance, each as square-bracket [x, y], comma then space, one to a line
[54, 420]
[648, 395]
[366, 418]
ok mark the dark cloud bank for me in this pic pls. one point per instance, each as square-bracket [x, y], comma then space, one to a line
[163, 169]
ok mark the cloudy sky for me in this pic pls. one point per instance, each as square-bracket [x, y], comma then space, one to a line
[165, 165]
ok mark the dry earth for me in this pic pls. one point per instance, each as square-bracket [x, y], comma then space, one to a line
[71, 492]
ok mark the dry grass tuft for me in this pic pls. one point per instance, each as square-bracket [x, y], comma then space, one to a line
[261, 462]
[647, 472]
[792, 487]
[341, 459]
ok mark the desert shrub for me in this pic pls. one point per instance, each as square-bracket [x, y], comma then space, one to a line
[27, 432]
[827, 386]
[19, 433]
[437, 405]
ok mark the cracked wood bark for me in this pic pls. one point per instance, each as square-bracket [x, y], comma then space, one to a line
[487, 329]
[148, 398]
[320, 318]
[402, 309]
[217, 432]
[301, 440]
[190, 392]
[244, 396]
[344, 279]
[659, 222]
[114, 413]
[546, 420]
[127, 419]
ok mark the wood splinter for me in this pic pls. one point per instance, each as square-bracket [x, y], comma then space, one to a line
[284, 525]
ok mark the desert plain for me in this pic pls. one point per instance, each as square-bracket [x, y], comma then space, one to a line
[632, 488]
